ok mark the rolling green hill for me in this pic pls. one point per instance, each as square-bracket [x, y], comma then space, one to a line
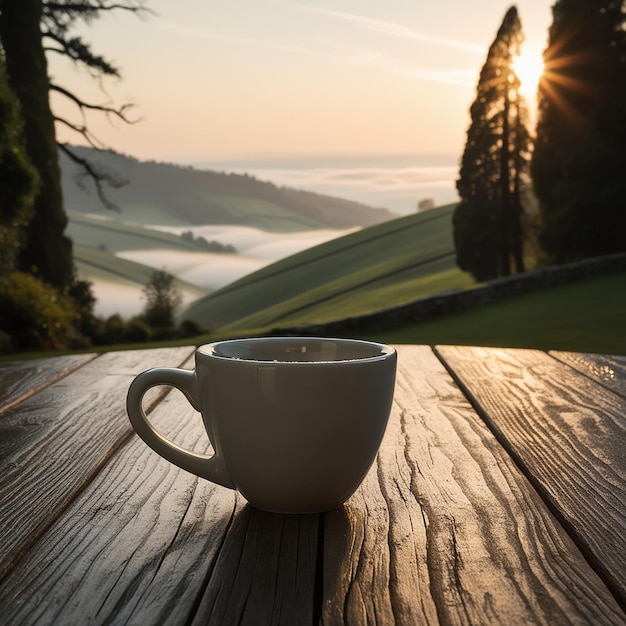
[113, 236]
[171, 195]
[378, 267]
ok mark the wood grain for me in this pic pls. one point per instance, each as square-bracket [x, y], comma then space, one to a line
[446, 529]
[607, 370]
[567, 433]
[53, 443]
[148, 543]
[21, 379]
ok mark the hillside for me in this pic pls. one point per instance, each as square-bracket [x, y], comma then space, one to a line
[113, 236]
[171, 195]
[377, 267]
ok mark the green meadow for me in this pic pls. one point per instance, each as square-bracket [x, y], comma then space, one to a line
[114, 236]
[586, 316]
[398, 262]
[374, 268]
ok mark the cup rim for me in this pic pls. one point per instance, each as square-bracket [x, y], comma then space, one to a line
[209, 350]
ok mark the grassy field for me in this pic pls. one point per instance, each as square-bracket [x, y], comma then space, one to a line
[587, 316]
[384, 265]
[115, 236]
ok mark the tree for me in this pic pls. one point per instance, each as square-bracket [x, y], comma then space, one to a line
[24, 26]
[18, 179]
[488, 220]
[578, 167]
[47, 252]
[162, 300]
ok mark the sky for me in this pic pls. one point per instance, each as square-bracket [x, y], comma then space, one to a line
[229, 79]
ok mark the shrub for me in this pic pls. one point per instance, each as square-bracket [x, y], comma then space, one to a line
[113, 330]
[33, 314]
[6, 345]
[190, 328]
[138, 330]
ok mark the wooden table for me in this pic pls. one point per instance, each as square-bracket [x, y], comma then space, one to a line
[498, 497]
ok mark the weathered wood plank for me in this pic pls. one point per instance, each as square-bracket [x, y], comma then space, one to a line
[20, 379]
[265, 572]
[148, 543]
[567, 433]
[608, 370]
[446, 529]
[53, 443]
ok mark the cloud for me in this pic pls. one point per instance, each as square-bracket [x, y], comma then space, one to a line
[396, 30]
[350, 54]
[200, 32]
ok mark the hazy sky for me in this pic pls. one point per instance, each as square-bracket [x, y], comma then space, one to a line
[231, 78]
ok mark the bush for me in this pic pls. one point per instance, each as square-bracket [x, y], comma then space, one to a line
[6, 345]
[33, 314]
[138, 330]
[112, 330]
[190, 328]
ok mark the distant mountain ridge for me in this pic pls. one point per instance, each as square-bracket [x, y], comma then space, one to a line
[169, 194]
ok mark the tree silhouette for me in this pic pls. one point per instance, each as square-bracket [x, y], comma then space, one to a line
[24, 27]
[578, 166]
[487, 222]
[162, 300]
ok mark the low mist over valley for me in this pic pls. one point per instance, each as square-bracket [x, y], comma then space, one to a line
[207, 228]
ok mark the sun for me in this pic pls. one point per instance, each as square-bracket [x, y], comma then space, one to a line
[529, 68]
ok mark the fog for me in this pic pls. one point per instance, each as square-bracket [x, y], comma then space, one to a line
[210, 271]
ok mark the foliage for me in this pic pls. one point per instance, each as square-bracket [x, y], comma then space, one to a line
[162, 300]
[488, 221]
[83, 300]
[578, 161]
[138, 330]
[18, 179]
[33, 314]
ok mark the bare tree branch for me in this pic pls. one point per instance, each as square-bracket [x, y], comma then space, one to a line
[80, 52]
[58, 19]
[91, 139]
[99, 177]
[94, 6]
[108, 110]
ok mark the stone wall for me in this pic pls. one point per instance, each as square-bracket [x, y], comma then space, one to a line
[463, 300]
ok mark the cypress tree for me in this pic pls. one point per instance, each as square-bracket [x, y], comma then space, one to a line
[487, 221]
[578, 166]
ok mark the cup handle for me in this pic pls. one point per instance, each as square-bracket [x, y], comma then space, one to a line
[211, 468]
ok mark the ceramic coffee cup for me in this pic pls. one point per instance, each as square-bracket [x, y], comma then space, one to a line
[295, 423]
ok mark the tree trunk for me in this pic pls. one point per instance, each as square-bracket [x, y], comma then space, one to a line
[47, 251]
[516, 204]
[505, 189]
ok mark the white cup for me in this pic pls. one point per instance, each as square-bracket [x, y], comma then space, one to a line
[295, 423]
